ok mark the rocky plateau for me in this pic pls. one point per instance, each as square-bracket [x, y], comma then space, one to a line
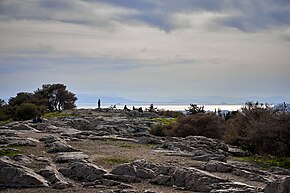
[111, 151]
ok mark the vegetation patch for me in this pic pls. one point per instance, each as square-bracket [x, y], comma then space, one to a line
[57, 115]
[6, 122]
[267, 162]
[7, 152]
[165, 121]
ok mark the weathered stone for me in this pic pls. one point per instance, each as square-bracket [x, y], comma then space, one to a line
[217, 166]
[134, 170]
[279, 171]
[22, 127]
[123, 178]
[237, 152]
[54, 177]
[64, 157]
[124, 169]
[250, 175]
[148, 140]
[80, 123]
[17, 141]
[14, 175]
[279, 186]
[208, 157]
[128, 191]
[57, 145]
[83, 171]
[233, 187]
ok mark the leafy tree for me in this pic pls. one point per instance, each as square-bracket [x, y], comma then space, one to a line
[20, 98]
[57, 97]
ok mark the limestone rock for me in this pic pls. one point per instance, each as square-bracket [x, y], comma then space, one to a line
[148, 140]
[22, 127]
[279, 186]
[80, 123]
[233, 187]
[237, 152]
[17, 141]
[14, 175]
[83, 171]
[251, 175]
[57, 145]
[54, 177]
[217, 166]
[64, 157]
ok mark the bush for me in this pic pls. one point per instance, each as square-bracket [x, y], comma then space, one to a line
[26, 111]
[204, 124]
[168, 113]
[3, 115]
[260, 129]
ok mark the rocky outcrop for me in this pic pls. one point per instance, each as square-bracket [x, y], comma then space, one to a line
[83, 171]
[194, 163]
[57, 145]
[217, 166]
[186, 178]
[65, 157]
[197, 147]
[17, 141]
[55, 178]
[14, 175]
[279, 186]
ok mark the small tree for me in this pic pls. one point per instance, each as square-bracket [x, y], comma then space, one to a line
[57, 97]
[194, 109]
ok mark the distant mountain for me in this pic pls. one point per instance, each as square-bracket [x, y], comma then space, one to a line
[230, 100]
[82, 98]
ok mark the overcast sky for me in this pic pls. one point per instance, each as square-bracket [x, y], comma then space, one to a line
[141, 48]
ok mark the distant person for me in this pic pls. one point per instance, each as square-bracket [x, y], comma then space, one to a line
[126, 108]
[37, 120]
[99, 103]
[140, 110]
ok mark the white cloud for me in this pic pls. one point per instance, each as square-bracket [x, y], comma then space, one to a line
[199, 47]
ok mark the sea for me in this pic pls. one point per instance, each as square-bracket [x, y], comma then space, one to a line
[164, 106]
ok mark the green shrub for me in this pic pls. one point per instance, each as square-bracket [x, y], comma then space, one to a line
[6, 152]
[168, 113]
[117, 160]
[267, 162]
[26, 111]
[204, 124]
[3, 115]
[56, 114]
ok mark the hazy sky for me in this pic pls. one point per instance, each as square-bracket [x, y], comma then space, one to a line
[135, 48]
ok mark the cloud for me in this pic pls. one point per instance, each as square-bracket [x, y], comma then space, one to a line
[197, 47]
[246, 15]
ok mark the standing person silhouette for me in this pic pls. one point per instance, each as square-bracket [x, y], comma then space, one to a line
[99, 103]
